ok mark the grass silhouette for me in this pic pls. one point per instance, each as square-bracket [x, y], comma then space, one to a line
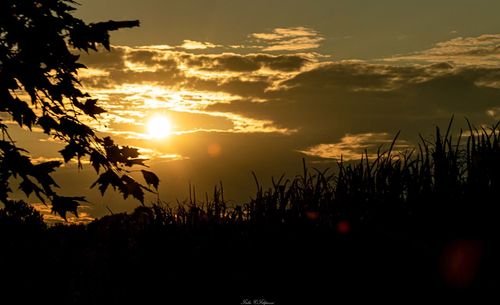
[415, 221]
[449, 185]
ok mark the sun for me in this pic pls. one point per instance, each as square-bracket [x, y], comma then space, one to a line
[159, 127]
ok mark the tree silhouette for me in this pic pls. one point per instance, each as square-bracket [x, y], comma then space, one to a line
[39, 87]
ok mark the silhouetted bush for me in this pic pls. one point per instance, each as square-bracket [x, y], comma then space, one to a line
[18, 215]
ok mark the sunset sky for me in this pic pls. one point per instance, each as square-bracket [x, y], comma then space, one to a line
[213, 90]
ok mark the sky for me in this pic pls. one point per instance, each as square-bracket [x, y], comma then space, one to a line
[258, 85]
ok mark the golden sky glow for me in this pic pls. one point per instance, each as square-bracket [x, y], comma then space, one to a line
[207, 101]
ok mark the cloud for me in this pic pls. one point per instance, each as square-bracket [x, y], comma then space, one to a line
[326, 107]
[354, 146]
[173, 68]
[231, 62]
[221, 62]
[288, 93]
[336, 98]
[150, 153]
[50, 218]
[42, 159]
[145, 80]
[148, 58]
[478, 50]
[289, 39]
[161, 47]
[197, 45]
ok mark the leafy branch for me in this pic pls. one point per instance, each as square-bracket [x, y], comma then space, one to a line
[39, 87]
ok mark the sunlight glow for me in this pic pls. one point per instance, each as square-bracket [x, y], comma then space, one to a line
[133, 105]
[159, 127]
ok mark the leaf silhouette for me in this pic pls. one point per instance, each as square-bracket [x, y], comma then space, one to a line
[62, 205]
[69, 151]
[131, 187]
[106, 179]
[97, 160]
[27, 186]
[47, 123]
[151, 178]
[90, 108]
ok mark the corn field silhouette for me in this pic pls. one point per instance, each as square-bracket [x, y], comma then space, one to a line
[420, 220]
[450, 185]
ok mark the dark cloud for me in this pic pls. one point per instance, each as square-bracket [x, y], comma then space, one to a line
[105, 60]
[146, 57]
[171, 68]
[234, 86]
[245, 62]
[234, 63]
[167, 75]
[164, 72]
[284, 63]
[338, 98]
[324, 102]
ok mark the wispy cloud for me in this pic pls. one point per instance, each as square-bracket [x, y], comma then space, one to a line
[354, 146]
[197, 45]
[50, 218]
[479, 50]
[160, 47]
[289, 39]
[41, 159]
[150, 153]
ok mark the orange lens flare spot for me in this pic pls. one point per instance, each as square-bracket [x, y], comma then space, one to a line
[343, 227]
[214, 150]
[312, 215]
[460, 262]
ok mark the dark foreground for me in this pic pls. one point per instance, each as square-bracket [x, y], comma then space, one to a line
[419, 225]
[120, 260]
